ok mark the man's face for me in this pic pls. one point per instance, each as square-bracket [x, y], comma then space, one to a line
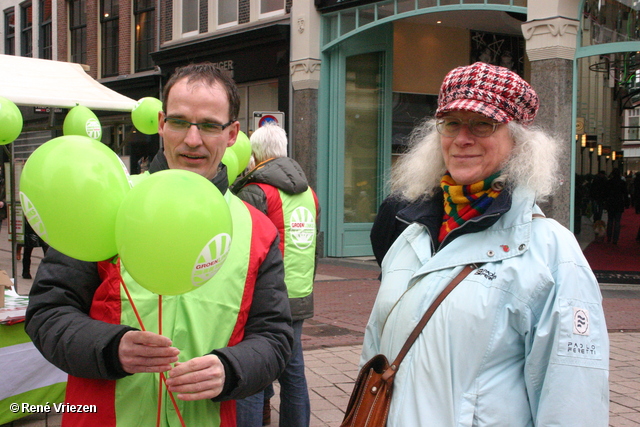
[189, 148]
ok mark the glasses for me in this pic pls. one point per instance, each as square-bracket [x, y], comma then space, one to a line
[450, 127]
[206, 129]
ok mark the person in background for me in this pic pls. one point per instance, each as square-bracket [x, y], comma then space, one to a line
[598, 194]
[527, 322]
[230, 337]
[278, 187]
[31, 241]
[615, 203]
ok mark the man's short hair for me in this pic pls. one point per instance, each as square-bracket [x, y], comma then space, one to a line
[209, 73]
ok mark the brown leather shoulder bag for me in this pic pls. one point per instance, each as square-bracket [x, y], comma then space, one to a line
[371, 396]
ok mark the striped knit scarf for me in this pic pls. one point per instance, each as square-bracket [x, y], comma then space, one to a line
[463, 202]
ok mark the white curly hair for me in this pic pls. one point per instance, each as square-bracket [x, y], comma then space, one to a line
[533, 163]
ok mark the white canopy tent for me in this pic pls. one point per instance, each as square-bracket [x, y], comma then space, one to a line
[55, 84]
[47, 83]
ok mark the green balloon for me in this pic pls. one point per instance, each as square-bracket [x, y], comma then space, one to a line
[145, 115]
[10, 121]
[242, 148]
[83, 122]
[230, 160]
[137, 179]
[71, 188]
[173, 231]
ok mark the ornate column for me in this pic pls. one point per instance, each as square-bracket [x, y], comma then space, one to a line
[305, 80]
[551, 44]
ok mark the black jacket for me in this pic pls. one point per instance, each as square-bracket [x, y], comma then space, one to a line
[58, 321]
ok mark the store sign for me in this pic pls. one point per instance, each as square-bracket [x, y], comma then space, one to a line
[328, 5]
[46, 110]
[225, 65]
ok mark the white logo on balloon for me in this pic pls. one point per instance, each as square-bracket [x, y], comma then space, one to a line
[31, 214]
[93, 129]
[211, 259]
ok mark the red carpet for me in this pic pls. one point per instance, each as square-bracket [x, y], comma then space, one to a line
[621, 262]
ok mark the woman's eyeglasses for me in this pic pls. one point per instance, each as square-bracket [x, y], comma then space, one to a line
[206, 129]
[450, 126]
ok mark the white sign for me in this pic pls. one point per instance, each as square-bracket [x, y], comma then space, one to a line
[261, 118]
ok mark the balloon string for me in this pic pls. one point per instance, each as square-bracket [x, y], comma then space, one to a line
[162, 377]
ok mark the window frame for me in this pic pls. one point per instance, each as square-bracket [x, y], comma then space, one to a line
[195, 16]
[277, 12]
[230, 23]
[78, 31]
[9, 36]
[46, 30]
[109, 37]
[140, 11]
[26, 29]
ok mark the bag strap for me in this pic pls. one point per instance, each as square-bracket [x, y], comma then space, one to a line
[425, 318]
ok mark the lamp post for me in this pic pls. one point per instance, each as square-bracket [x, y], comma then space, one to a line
[599, 155]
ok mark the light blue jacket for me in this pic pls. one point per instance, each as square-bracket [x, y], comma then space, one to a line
[522, 341]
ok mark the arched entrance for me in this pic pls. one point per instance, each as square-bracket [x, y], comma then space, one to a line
[382, 67]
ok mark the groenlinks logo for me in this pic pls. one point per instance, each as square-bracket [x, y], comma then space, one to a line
[93, 129]
[211, 259]
[302, 227]
[580, 321]
[31, 214]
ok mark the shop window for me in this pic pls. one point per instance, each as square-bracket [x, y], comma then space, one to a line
[145, 12]
[78, 31]
[26, 21]
[109, 23]
[409, 110]
[498, 49]
[227, 13]
[256, 96]
[45, 30]
[10, 31]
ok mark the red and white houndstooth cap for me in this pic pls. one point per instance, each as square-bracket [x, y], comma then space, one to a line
[490, 90]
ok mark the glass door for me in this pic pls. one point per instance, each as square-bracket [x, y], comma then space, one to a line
[358, 139]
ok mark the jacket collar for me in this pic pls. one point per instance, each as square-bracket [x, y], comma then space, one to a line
[429, 212]
[508, 236]
[159, 163]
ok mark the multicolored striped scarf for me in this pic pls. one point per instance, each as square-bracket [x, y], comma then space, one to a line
[463, 202]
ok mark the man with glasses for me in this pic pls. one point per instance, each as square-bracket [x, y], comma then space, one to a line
[218, 349]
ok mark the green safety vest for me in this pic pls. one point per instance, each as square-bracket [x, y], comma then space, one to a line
[295, 216]
[209, 317]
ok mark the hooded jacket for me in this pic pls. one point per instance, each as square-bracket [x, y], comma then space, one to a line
[278, 187]
[69, 296]
[521, 341]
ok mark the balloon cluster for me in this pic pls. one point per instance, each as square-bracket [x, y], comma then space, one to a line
[236, 158]
[172, 230]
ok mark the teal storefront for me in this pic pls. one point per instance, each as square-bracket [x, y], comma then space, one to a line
[383, 62]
